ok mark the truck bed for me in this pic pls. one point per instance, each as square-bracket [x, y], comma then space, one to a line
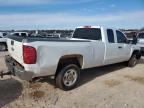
[49, 51]
[35, 38]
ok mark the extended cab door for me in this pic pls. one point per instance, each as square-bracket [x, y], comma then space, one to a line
[111, 55]
[123, 48]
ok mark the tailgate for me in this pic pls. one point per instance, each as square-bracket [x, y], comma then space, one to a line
[15, 49]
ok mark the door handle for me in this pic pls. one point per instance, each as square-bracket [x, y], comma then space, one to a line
[120, 47]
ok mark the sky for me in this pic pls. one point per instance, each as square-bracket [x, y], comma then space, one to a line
[68, 14]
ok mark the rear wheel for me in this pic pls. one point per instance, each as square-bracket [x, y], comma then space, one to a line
[132, 61]
[68, 77]
[3, 47]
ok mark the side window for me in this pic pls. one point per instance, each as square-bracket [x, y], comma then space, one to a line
[120, 37]
[110, 35]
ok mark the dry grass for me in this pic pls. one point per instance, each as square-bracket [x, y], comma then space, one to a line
[138, 79]
[35, 85]
[37, 94]
[111, 83]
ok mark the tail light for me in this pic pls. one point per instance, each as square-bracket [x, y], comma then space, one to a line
[29, 55]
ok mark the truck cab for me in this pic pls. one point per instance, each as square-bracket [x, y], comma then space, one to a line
[117, 46]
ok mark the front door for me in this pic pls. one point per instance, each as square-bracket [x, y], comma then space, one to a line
[123, 49]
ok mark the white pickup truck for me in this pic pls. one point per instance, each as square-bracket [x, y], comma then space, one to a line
[90, 46]
[3, 45]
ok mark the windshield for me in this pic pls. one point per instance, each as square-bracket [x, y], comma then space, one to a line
[88, 33]
[141, 35]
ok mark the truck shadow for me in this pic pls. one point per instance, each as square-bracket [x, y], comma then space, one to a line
[88, 75]
[10, 89]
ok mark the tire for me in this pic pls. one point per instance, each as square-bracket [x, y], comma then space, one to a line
[132, 61]
[68, 77]
[3, 47]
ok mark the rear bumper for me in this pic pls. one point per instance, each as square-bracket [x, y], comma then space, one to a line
[17, 70]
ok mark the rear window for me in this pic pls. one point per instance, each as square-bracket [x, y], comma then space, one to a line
[88, 33]
[141, 35]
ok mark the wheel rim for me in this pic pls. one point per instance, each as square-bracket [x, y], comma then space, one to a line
[70, 77]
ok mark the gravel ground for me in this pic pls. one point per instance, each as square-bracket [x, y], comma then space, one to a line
[114, 86]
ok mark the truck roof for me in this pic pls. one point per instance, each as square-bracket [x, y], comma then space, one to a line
[98, 27]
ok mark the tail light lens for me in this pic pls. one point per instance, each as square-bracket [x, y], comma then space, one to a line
[29, 55]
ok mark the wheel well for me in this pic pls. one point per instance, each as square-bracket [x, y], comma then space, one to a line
[69, 59]
[138, 53]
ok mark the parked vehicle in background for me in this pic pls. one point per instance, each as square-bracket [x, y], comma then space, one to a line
[3, 39]
[19, 34]
[140, 38]
[130, 34]
[91, 46]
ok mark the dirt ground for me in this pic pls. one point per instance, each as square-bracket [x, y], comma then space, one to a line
[114, 86]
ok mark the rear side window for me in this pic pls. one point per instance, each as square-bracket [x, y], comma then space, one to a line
[120, 37]
[110, 35]
[88, 33]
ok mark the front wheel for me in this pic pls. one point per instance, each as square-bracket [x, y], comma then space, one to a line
[68, 77]
[132, 61]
